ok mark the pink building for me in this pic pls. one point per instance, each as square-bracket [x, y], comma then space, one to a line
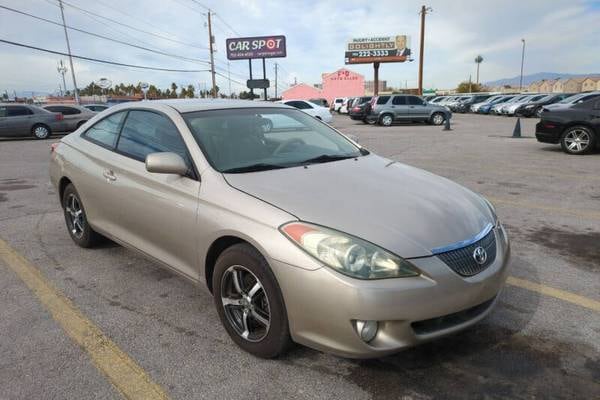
[301, 91]
[341, 83]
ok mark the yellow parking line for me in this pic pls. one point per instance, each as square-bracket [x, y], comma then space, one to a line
[122, 371]
[559, 210]
[556, 293]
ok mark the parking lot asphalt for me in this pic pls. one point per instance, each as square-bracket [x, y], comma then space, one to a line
[542, 340]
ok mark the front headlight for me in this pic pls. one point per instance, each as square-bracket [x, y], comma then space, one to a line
[347, 254]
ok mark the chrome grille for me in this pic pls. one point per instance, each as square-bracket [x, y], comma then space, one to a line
[462, 261]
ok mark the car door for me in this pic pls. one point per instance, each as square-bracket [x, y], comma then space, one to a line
[3, 124]
[18, 120]
[417, 107]
[158, 213]
[400, 108]
[93, 173]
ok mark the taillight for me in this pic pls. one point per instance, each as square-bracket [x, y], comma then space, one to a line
[548, 125]
[59, 116]
[356, 109]
[54, 146]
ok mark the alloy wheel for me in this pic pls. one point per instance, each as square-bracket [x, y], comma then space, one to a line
[386, 120]
[577, 140]
[41, 132]
[245, 303]
[438, 119]
[75, 217]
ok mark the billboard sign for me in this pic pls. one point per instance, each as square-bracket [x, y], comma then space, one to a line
[378, 49]
[256, 47]
[258, 83]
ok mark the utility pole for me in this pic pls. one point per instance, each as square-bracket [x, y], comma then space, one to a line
[62, 14]
[211, 40]
[62, 70]
[229, 77]
[522, 61]
[275, 80]
[424, 11]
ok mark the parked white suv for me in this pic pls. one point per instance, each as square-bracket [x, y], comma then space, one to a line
[315, 110]
[337, 103]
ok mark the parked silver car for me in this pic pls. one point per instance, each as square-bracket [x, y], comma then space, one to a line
[19, 120]
[299, 233]
[74, 115]
[385, 110]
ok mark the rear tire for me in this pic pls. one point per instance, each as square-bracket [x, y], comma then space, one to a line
[265, 332]
[77, 225]
[437, 118]
[41, 131]
[578, 140]
[386, 120]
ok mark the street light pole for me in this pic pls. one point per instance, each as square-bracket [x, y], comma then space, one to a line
[522, 62]
[62, 14]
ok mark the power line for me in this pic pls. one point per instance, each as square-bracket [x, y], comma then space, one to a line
[105, 37]
[99, 60]
[133, 27]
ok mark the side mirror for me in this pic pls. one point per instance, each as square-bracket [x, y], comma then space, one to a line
[166, 163]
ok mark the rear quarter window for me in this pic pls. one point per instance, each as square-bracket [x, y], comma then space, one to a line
[383, 99]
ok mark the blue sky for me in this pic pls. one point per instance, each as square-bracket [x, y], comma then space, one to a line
[561, 36]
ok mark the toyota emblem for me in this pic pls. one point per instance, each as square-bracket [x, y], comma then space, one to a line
[480, 255]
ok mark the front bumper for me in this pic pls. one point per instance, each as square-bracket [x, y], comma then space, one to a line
[323, 305]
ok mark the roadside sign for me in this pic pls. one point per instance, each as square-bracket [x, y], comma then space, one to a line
[378, 49]
[256, 47]
[258, 83]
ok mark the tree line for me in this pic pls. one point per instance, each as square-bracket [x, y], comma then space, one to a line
[154, 92]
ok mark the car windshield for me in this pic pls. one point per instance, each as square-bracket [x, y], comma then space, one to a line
[257, 139]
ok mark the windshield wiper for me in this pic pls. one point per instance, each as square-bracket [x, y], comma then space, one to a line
[253, 168]
[323, 158]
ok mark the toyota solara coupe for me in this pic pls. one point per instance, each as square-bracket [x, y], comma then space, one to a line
[300, 234]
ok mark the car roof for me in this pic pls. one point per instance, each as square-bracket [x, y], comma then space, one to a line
[191, 105]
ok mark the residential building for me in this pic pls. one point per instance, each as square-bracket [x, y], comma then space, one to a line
[534, 87]
[547, 85]
[590, 83]
[573, 85]
[558, 86]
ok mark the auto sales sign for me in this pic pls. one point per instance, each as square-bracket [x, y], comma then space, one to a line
[256, 47]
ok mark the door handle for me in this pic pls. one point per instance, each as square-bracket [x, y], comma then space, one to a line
[109, 175]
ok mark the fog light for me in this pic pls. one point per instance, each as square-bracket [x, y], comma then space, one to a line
[366, 330]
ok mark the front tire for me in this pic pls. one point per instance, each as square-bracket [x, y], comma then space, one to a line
[578, 140]
[79, 229]
[41, 131]
[249, 302]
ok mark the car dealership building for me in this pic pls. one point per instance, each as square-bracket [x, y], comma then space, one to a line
[341, 83]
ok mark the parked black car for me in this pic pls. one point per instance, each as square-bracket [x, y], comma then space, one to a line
[465, 105]
[576, 128]
[535, 108]
[360, 108]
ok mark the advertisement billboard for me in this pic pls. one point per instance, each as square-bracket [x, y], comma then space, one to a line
[378, 49]
[256, 47]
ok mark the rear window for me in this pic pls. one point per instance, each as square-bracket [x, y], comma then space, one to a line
[105, 132]
[339, 100]
[383, 99]
[16, 111]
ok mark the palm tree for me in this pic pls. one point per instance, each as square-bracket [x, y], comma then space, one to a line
[478, 60]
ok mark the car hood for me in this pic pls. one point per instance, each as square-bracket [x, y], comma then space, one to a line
[403, 209]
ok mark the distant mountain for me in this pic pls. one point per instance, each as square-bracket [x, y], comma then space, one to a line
[528, 79]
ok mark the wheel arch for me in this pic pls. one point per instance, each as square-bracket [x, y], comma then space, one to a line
[585, 124]
[62, 185]
[217, 247]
